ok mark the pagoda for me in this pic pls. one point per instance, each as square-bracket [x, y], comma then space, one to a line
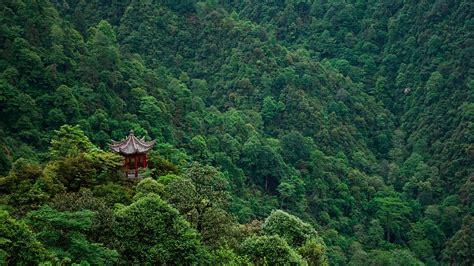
[134, 151]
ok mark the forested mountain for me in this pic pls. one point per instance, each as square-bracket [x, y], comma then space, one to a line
[288, 132]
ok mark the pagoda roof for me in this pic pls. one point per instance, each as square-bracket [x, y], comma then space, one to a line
[132, 145]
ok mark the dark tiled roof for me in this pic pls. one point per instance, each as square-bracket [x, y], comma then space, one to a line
[132, 145]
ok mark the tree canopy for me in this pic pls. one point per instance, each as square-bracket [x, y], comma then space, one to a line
[288, 132]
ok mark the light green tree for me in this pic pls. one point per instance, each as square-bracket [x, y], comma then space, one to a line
[269, 250]
[150, 231]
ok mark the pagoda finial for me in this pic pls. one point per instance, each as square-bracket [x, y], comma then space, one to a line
[131, 132]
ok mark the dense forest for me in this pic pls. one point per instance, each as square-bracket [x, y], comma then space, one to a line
[302, 132]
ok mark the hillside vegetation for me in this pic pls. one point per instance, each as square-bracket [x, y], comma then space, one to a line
[288, 132]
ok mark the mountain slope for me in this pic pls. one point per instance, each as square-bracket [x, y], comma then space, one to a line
[357, 117]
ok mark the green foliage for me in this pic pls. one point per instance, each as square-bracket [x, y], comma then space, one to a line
[113, 193]
[271, 109]
[5, 161]
[459, 247]
[263, 164]
[63, 234]
[202, 196]
[295, 147]
[101, 229]
[226, 256]
[151, 231]
[292, 192]
[162, 167]
[78, 163]
[269, 250]
[149, 185]
[69, 141]
[380, 257]
[26, 186]
[167, 179]
[356, 116]
[314, 252]
[393, 213]
[210, 184]
[289, 227]
[18, 245]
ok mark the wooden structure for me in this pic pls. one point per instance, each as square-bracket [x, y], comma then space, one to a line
[134, 151]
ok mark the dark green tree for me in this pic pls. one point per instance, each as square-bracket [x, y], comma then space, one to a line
[64, 235]
[18, 245]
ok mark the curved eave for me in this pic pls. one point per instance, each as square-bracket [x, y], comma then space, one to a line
[135, 153]
[132, 145]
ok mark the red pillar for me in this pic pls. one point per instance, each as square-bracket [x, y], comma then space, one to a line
[136, 166]
[145, 163]
[125, 165]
